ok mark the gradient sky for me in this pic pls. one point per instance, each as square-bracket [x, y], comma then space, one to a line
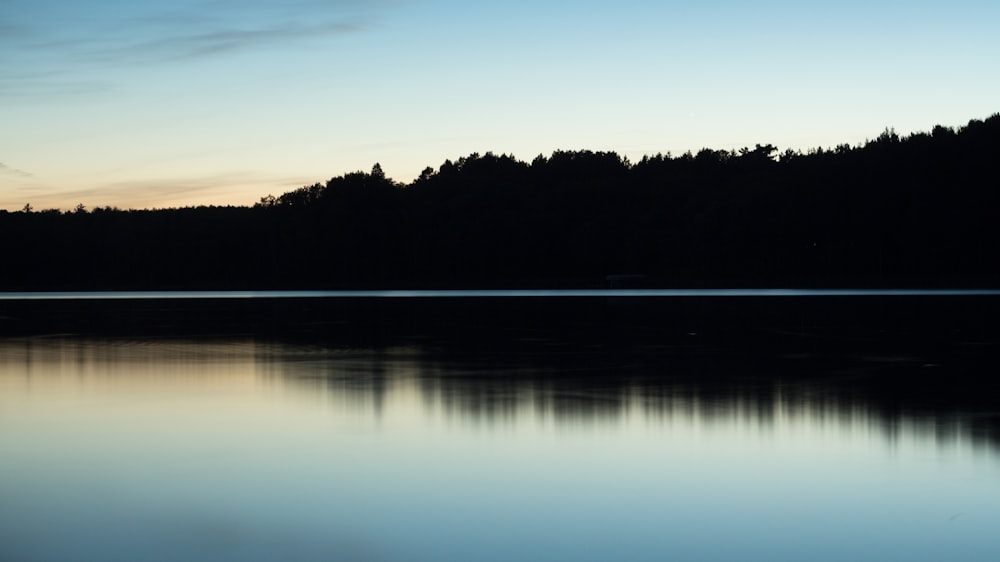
[170, 103]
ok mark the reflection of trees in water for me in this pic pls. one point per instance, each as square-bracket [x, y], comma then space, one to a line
[712, 388]
[356, 378]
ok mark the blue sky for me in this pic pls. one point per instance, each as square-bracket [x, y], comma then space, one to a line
[159, 104]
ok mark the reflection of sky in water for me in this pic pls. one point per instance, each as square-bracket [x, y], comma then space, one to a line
[240, 450]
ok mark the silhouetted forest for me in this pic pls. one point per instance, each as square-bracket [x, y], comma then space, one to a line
[916, 211]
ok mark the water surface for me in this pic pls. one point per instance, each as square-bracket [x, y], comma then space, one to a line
[247, 448]
[494, 293]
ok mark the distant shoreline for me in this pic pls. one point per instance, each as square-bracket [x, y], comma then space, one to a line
[489, 293]
[911, 212]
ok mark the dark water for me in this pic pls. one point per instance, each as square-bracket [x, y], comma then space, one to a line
[493, 293]
[479, 431]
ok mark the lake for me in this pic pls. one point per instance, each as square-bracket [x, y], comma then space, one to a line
[490, 429]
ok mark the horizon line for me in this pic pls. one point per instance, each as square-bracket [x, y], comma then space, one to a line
[486, 293]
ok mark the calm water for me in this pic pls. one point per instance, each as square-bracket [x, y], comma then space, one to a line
[255, 449]
[494, 293]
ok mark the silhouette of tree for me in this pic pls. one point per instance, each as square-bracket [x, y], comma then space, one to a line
[895, 211]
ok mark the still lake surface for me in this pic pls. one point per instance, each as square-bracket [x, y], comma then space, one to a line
[319, 446]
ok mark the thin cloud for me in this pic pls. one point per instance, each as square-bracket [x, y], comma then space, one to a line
[5, 169]
[229, 188]
[52, 46]
[221, 41]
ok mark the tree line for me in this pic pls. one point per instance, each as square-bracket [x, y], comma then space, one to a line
[921, 210]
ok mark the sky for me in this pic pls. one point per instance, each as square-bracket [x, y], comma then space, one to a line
[168, 103]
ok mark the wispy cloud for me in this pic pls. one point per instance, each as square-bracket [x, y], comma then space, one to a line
[5, 169]
[219, 41]
[227, 188]
[56, 46]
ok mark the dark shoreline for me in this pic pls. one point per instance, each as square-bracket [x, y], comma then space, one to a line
[917, 211]
[942, 319]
